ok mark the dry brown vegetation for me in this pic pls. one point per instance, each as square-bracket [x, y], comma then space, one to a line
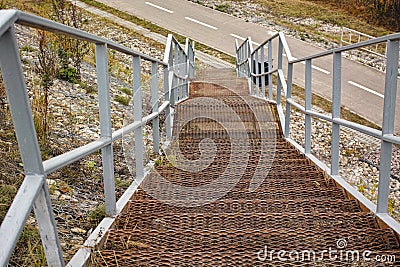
[380, 12]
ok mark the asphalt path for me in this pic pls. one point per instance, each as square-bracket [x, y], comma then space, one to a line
[362, 86]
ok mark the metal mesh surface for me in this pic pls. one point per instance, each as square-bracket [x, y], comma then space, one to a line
[292, 207]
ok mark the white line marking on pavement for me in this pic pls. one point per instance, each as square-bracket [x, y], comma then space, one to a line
[201, 23]
[237, 36]
[366, 89]
[159, 7]
[242, 38]
[314, 67]
[320, 69]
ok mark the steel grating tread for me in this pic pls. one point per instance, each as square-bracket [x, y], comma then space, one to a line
[277, 239]
[246, 221]
[317, 205]
[166, 192]
[268, 184]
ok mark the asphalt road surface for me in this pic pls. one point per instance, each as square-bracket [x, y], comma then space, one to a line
[362, 86]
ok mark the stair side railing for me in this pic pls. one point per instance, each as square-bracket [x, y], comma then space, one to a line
[284, 85]
[180, 62]
[34, 192]
[243, 52]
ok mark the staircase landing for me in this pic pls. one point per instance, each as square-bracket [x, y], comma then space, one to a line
[232, 192]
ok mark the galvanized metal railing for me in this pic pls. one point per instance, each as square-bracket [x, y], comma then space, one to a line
[387, 136]
[178, 66]
[349, 36]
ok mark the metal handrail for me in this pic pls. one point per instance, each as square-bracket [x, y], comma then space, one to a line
[386, 135]
[360, 35]
[178, 66]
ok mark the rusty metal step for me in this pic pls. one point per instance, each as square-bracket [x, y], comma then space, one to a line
[246, 221]
[198, 179]
[169, 193]
[253, 240]
[317, 205]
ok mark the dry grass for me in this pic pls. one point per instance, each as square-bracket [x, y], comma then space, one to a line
[287, 13]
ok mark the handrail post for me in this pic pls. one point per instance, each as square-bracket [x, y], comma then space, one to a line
[308, 106]
[279, 84]
[106, 128]
[336, 105]
[183, 72]
[137, 108]
[28, 144]
[154, 104]
[288, 95]
[270, 95]
[167, 97]
[250, 74]
[389, 108]
[237, 59]
[263, 71]
[257, 71]
[193, 60]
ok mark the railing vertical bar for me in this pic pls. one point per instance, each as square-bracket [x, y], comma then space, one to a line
[167, 97]
[270, 95]
[251, 70]
[308, 96]
[137, 108]
[280, 63]
[336, 104]
[263, 70]
[29, 149]
[389, 108]
[185, 72]
[193, 59]
[237, 58]
[288, 95]
[106, 128]
[257, 71]
[175, 61]
[154, 104]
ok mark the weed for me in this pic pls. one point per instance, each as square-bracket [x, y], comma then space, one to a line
[29, 244]
[96, 215]
[361, 186]
[123, 184]
[28, 48]
[222, 8]
[91, 164]
[68, 74]
[7, 193]
[3, 95]
[126, 90]
[159, 161]
[124, 100]
[392, 206]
